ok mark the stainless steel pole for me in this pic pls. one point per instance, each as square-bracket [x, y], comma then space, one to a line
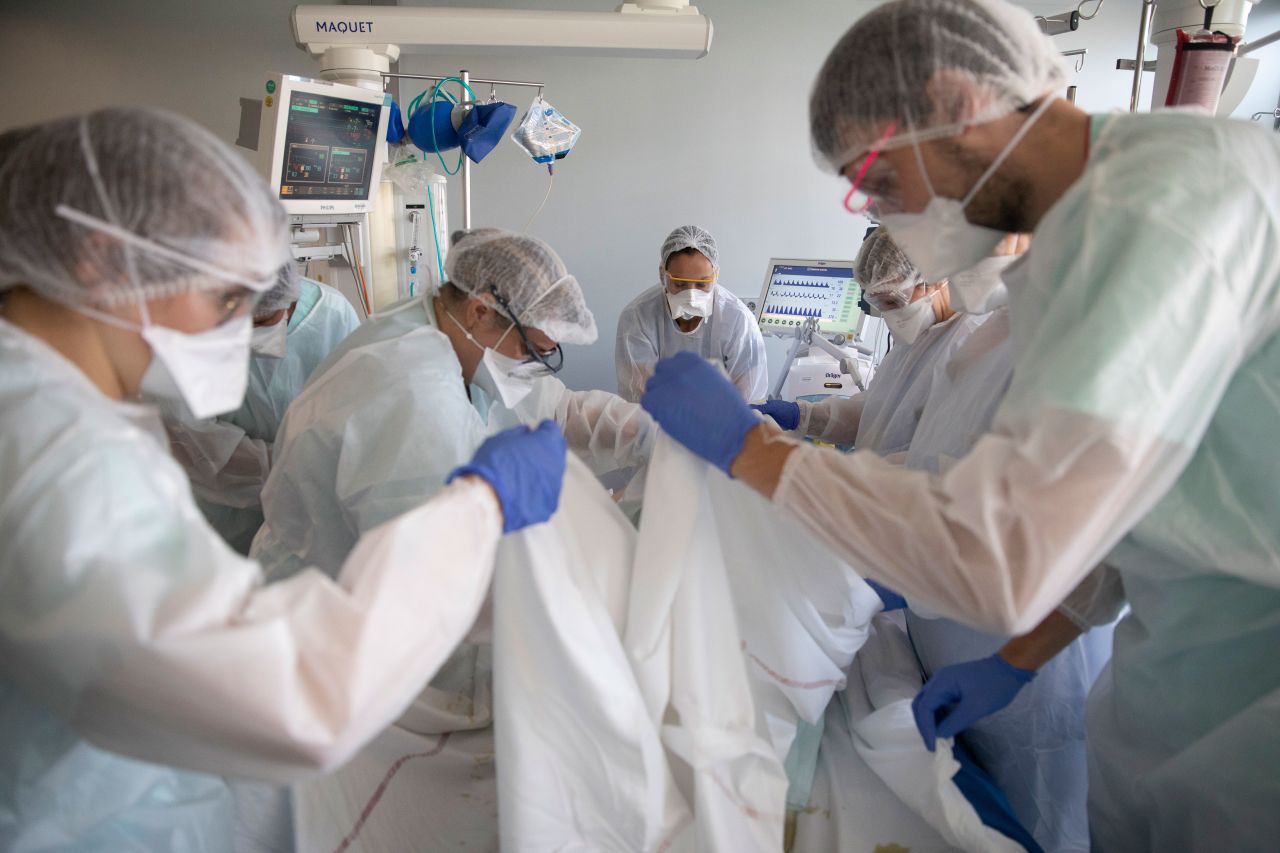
[1144, 35]
[466, 171]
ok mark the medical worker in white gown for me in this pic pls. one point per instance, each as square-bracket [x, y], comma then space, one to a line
[1034, 750]
[1139, 427]
[143, 663]
[1035, 747]
[401, 400]
[925, 329]
[690, 311]
[296, 325]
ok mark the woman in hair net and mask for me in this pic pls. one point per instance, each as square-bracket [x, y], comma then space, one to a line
[398, 403]
[1139, 427]
[296, 325]
[141, 660]
[690, 312]
[925, 329]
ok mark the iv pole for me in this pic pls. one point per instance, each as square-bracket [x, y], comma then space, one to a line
[1140, 65]
[466, 78]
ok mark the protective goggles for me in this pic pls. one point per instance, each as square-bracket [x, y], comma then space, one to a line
[857, 201]
[552, 359]
[686, 283]
[891, 297]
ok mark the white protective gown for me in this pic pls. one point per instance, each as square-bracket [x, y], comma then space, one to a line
[141, 660]
[730, 336]
[883, 418]
[402, 418]
[228, 458]
[380, 426]
[1034, 749]
[1140, 427]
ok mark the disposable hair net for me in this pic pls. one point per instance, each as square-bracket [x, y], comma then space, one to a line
[122, 205]
[287, 289]
[881, 265]
[11, 141]
[690, 237]
[530, 278]
[932, 66]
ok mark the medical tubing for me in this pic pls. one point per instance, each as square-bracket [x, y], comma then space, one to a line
[413, 105]
[550, 184]
[357, 272]
[435, 235]
[1089, 17]
[434, 143]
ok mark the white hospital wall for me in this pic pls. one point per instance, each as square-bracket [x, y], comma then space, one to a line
[720, 142]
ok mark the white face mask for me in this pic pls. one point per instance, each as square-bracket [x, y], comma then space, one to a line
[500, 376]
[207, 371]
[909, 322]
[690, 303]
[269, 341]
[980, 289]
[940, 241]
[505, 378]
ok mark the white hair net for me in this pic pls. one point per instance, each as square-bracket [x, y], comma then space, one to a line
[932, 66]
[881, 265]
[690, 237]
[528, 275]
[123, 205]
[287, 289]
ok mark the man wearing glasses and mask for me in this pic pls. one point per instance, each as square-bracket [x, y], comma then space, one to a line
[398, 405]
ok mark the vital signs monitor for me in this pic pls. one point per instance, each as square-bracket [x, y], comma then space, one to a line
[797, 289]
[320, 142]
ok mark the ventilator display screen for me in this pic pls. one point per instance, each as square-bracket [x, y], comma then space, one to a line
[797, 290]
[329, 148]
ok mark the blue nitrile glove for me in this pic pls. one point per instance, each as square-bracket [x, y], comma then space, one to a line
[988, 800]
[785, 414]
[890, 599]
[699, 407]
[960, 695]
[525, 467]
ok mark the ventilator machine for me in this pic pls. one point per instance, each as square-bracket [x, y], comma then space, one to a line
[817, 304]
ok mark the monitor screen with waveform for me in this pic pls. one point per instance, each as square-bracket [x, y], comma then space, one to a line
[329, 148]
[798, 290]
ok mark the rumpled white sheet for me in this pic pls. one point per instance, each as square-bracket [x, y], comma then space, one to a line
[647, 688]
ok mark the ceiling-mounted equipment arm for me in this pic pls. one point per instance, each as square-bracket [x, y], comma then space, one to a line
[671, 29]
